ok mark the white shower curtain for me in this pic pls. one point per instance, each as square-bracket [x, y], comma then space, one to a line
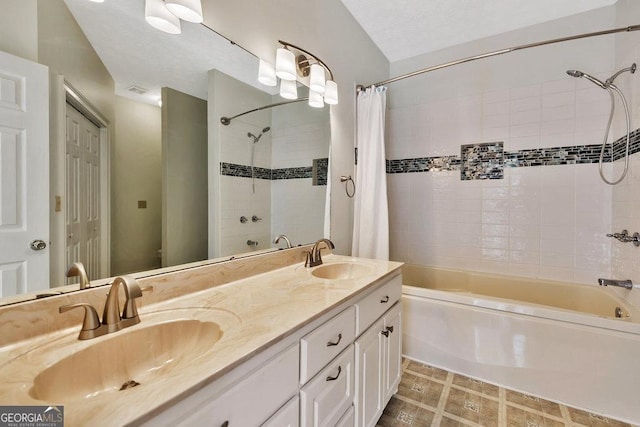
[371, 214]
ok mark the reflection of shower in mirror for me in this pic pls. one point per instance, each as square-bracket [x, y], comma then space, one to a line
[253, 152]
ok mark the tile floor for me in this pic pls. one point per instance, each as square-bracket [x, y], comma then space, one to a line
[429, 396]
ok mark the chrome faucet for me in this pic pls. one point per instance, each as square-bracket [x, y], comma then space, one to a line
[286, 239]
[627, 284]
[314, 257]
[112, 320]
[77, 269]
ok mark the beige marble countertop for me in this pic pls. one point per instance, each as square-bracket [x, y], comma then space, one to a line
[254, 313]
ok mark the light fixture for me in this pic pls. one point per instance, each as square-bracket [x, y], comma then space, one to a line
[316, 78]
[293, 63]
[331, 92]
[97, 1]
[160, 18]
[267, 74]
[285, 64]
[315, 99]
[289, 89]
[188, 10]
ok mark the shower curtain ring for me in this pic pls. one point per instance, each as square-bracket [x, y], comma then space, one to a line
[346, 179]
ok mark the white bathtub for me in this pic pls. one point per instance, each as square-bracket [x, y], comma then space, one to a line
[555, 340]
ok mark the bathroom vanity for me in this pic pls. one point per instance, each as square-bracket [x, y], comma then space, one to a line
[286, 346]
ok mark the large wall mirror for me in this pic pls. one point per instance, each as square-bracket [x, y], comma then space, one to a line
[142, 174]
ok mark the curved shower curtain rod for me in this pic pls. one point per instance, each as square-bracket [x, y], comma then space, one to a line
[502, 51]
[226, 120]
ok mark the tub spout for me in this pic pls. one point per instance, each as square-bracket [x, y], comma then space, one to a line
[627, 284]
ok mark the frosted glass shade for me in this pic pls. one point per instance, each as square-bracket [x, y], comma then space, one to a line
[189, 10]
[267, 74]
[289, 89]
[331, 92]
[315, 99]
[316, 78]
[158, 16]
[285, 64]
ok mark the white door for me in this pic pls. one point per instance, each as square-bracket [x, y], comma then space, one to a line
[24, 176]
[83, 192]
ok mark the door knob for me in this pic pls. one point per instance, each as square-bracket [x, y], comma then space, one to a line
[38, 245]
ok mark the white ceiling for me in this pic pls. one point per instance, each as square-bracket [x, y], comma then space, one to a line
[134, 53]
[402, 29]
[406, 28]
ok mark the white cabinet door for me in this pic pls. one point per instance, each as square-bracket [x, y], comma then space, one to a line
[378, 367]
[24, 175]
[392, 352]
[325, 399]
[369, 351]
[287, 416]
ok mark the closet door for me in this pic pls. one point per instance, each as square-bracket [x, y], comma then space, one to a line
[83, 191]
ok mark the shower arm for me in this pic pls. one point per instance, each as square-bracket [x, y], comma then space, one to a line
[503, 51]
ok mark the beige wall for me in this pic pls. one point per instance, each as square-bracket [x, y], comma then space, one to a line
[19, 29]
[63, 47]
[184, 178]
[327, 29]
[136, 232]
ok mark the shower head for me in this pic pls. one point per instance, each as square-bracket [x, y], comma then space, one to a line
[257, 138]
[576, 73]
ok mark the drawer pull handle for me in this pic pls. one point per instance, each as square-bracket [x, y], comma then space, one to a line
[331, 344]
[384, 300]
[385, 333]
[390, 328]
[330, 378]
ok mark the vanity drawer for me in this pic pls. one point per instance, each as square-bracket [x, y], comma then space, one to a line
[254, 399]
[320, 346]
[326, 398]
[376, 303]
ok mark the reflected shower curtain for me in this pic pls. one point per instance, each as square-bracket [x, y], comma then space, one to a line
[371, 214]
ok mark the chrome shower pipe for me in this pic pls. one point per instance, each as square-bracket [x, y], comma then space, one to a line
[631, 69]
[503, 51]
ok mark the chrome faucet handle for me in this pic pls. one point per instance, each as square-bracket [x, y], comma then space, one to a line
[77, 269]
[91, 326]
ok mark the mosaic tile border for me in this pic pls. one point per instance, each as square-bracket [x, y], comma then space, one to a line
[477, 161]
[482, 161]
[424, 164]
[243, 171]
